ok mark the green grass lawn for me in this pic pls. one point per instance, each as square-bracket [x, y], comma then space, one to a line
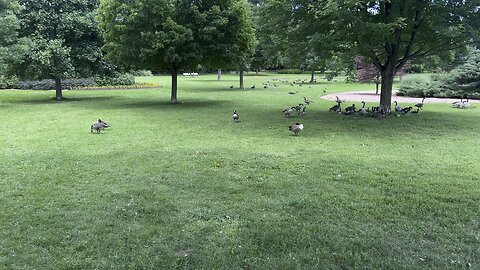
[184, 187]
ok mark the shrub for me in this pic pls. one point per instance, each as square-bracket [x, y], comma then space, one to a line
[120, 79]
[50, 84]
[8, 82]
[290, 71]
[141, 72]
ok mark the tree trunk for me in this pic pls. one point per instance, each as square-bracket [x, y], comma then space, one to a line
[387, 73]
[312, 79]
[376, 87]
[173, 98]
[58, 89]
[242, 86]
[219, 76]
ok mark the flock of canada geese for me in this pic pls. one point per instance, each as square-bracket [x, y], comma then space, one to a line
[300, 110]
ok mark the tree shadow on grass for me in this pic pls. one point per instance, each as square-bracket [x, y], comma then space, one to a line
[65, 100]
[162, 104]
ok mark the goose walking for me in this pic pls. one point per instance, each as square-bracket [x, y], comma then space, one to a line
[235, 116]
[420, 105]
[296, 128]
[100, 125]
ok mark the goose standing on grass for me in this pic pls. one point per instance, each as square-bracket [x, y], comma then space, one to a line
[100, 125]
[418, 109]
[292, 92]
[288, 112]
[296, 128]
[235, 116]
[465, 104]
[397, 108]
[253, 86]
[307, 101]
[420, 105]
[338, 100]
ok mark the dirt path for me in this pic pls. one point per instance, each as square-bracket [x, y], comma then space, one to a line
[371, 97]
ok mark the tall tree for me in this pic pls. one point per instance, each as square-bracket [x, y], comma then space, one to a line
[11, 46]
[301, 32]
[183, 34]
[65, 37]
[391, 33]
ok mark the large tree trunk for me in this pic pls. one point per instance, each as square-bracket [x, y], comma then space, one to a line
[219, 75]
[242, 86]
[312, 79]
[58, 88]
[173, 97]
[376, 87]
[388, 72]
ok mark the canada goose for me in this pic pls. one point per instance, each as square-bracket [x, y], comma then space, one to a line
[307, 101]
[231, 86]
[406, 110]
[457, 104]
[397, 108]
[350, 109]
[336, 108]
[299, 107]
[304, 110]
[99, 126]
[265, 86]
[288, 112]
[415, 111]
[253, 86]
[296, 128]
[338, 100]
[235, 116]
[465, 104]
[292, 92]
[420, 105]
[362, 111]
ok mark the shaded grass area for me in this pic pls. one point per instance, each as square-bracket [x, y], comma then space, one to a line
[182, 186]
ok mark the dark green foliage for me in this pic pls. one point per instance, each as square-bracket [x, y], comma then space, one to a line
[120, 79]
[49, 84]
[173, 35]
[290, 71]
[142, 72]
[464, 81]
[65, 37]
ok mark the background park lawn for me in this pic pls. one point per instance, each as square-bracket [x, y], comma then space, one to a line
[183, 186]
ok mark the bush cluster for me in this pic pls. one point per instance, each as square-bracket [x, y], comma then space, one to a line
[289, 71]
[50, 84]
[143, 73]
[463, 81]
[119, 79]
[8, 82]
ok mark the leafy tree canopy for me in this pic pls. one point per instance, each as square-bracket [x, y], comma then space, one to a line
[176, 34]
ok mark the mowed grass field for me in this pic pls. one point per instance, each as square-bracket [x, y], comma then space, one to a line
[184, 187]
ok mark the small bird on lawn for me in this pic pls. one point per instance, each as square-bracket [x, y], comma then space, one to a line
[235, 116]
[296, 128]
[231, 86]
[100, 125]
[253, 86]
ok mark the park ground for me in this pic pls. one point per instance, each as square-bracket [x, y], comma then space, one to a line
[184, 187]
